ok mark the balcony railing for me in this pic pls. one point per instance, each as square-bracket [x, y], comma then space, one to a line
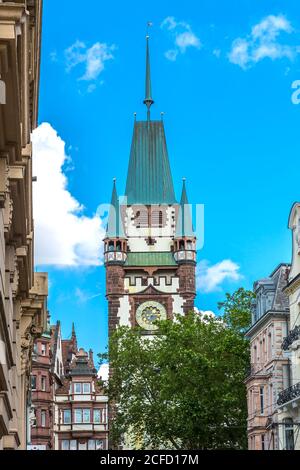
[289, 394]
[293, 335]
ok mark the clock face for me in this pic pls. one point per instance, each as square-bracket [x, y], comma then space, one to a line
[150, 312]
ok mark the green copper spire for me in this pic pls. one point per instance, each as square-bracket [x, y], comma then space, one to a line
[149, 178]
[148, 101]
[184, 227]
[114, 225]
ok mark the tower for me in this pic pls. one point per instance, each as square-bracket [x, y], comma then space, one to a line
[150, 245]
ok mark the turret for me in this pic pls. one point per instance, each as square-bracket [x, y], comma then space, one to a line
[185, 239]
[115, 242]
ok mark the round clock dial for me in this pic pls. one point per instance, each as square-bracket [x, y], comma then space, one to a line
[150, 312]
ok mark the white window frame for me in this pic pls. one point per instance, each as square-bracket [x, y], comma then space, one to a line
[100, 411]
[43, 383]
[80, 388]
[69, 421]
[43, 418]
[65, 444]
[79, 411]
[83, 388]
[84, 420]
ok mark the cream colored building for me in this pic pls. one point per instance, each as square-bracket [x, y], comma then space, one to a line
[289, 399]
[23, 293]
[269, 372]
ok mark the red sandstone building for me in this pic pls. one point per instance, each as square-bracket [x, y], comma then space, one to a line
[81, 408]
[69, 409]
[47, 371]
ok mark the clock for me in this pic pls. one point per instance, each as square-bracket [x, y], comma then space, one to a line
[148, 313]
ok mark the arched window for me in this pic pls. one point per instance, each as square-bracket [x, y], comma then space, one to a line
[119, 246]
[111, 246]
[181, 245]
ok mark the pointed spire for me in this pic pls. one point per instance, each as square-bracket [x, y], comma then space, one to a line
[148, 101]
[114, 225]
[73, 330]
[184, 226]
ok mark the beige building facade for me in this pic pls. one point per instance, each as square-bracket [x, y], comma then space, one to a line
[269, 373]
[23, 293]
[289, 399]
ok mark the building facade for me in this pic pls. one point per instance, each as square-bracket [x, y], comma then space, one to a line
[46, 377]
[81, 408]
[150, 245]
[23, 312]
[289, 399]
[269, 373]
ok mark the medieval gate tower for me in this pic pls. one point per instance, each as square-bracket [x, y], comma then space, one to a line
[150, 245]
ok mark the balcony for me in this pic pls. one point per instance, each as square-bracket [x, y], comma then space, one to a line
[293, 335]
[289, 394]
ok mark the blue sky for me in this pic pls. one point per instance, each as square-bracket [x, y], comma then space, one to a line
[222, 72]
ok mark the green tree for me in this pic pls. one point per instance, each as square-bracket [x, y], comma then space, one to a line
[183, 389]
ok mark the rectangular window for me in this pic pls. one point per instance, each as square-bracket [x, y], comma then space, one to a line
[43, 349]
[33, 418]
[73, 445]
[261, 396]
[33, 382]
[43, 383]
[97, 416]
[78, 416]
[43, 418]
[91, 444]
[99, 445]
[285, 372]
[86, 388]
[86, 416]
[67, 416]
[82, 446]
[65, 445]
[263, 442]
[77, 388]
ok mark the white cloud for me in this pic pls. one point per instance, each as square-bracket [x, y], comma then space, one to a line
[92, 59]
[63, 234]
[183, 37]
[210, 278]
[263, 42]
[103, 372]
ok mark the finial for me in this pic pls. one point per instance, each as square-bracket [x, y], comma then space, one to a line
[114, 179]
[134, 116]
[184, 179]
[148, 101]
[162, 115]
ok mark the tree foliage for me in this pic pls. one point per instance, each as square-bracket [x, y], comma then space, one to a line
[184, 388]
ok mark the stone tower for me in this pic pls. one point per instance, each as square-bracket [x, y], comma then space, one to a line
[150, 245]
